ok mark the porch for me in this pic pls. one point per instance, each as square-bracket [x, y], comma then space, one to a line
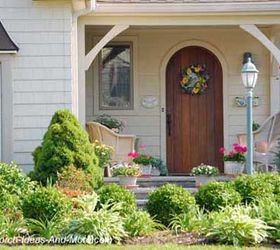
[152, 46]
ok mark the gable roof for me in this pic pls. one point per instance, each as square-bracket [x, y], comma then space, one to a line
[6, 43]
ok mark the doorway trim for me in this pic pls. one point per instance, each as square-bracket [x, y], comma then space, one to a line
[163, 67]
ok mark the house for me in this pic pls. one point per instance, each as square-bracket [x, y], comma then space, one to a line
[124, 58]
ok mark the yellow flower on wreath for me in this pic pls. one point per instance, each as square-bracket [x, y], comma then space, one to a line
[189, 71]
[196, 90]
[184, 81]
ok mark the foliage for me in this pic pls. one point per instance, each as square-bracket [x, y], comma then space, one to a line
[233, 225]
[65, 143]
[13, 181]
[127, 170]
[86, 203]
[45, 228]
[143, 159]
[110, 122]
[277, 156]
[45, 203]
[216, 195]
[203, 169]
[103, 153]
[159, 164]
[195, 220]
[73, 182]
[10, 227]
[237, 154]
[10, 205]
[167, 201]
[140, 223]
[113, 193]
[253, 188]
[105, 225]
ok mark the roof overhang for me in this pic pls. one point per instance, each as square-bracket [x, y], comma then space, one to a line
[7, 45]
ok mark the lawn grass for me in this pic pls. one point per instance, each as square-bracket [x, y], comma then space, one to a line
[134, 247]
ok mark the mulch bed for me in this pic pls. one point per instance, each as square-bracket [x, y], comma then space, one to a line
[163, 237]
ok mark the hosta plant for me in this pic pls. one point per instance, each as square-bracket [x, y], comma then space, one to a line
[233, 225]
[204, 169]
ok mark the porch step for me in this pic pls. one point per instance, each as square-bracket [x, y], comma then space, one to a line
[157, 181]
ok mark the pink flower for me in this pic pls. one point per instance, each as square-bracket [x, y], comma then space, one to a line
[142, 146]
[222, 150]
[231, 153]
[133, 154]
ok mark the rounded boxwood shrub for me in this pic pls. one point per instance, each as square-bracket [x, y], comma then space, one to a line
[113, 193]
[167, 201]
[45, 203]
[216, 195]
[254, 188]
[65, 143]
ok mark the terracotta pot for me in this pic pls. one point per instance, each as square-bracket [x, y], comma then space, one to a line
[201, 180]
[145, 170]
[233, 167]
[127, 180]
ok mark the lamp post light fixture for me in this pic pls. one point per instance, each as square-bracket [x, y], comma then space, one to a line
[249, 74]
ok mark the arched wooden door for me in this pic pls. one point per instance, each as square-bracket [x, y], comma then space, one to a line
[194, 122]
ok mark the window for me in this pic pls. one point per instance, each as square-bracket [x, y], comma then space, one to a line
[115, 77]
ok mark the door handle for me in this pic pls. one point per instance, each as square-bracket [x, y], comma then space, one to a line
[168, 123]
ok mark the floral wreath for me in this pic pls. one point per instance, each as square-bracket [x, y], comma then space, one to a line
[194, 79]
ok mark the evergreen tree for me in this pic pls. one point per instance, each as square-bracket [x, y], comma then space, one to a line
[65, 143]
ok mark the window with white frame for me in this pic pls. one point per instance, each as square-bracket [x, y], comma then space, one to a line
[115, 77]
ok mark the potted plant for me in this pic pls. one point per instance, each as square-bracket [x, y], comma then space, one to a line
[127, 174]
[234, 160]
[204, 174]
[144, 161]
[110, 122]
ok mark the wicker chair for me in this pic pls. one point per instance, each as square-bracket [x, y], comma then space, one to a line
[122, 144]
[265, 141]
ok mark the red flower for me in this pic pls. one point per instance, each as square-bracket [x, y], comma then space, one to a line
[222, 150]
[231, 153]
[133, 154]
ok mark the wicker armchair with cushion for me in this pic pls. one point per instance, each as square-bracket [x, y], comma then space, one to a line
[122, 144]
[265, 141]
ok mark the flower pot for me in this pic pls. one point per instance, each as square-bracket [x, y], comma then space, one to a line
[127, 180]
[145, 170]
[201, 180]
[233, 167]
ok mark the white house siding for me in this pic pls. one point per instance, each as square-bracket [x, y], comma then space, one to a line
[151, 48]
[41, 71]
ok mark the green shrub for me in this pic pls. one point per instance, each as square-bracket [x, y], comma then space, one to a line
[103, 153]
[254, 188]
[13, 181]
[216, 195]
[168, 201]
[113, 193]
[233, 225]
[195, 221]
[10, 227]
[45, 203]
[65, 143]
[104, 225]
[140, 223]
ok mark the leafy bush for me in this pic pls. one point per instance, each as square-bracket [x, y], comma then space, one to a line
[105, 225]
[159, 164]
[254, 188]
[140, 223]
[113, 193]
[74, 182]
[168, 201]
[127, 170]
[216, 195]
[13, 181]
[45, 203]
[193, 221]
[233, 225]
[65, 143]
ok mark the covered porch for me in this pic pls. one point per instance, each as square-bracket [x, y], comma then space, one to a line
[150, 43]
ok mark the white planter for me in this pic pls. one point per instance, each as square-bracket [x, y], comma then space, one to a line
[145, 169]
[233, 167]
[127, 180]
[155, 172]
[201, 180]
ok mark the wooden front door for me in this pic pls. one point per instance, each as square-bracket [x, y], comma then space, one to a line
[194, 122]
